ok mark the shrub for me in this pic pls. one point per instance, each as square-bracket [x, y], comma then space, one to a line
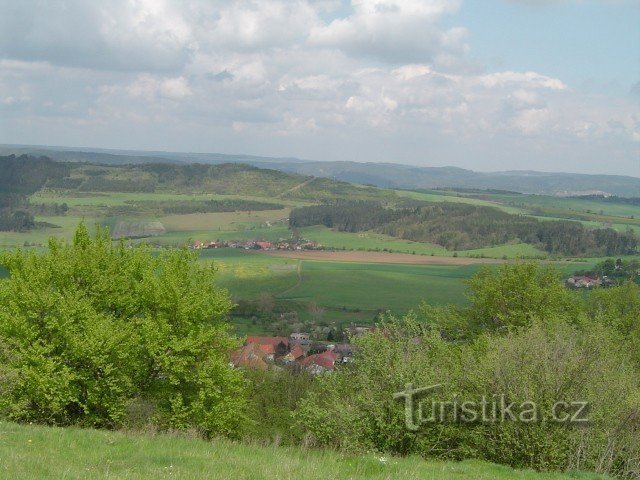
[546, 362]
[88, 328]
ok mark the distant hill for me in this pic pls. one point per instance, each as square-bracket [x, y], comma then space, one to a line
[408, 177]
[223, 179]
[386, 175]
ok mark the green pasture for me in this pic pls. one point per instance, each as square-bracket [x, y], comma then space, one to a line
[368, 241]
[107, 199]
[512, 250]
[30, 452]
[570, 203]
[398, 288]
[448, 197]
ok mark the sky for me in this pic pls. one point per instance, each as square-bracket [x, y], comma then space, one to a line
[547, 85]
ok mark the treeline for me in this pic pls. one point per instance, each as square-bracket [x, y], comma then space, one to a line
[458, 226]
[16, 221]
[25, 174]
[613, 199]
[48, 209]
[345, 216]
[20, 177]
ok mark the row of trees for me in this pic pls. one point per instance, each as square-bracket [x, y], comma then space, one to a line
[346, 216]
[462, 227]
[22, 176]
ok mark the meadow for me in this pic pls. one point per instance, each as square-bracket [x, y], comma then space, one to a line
[30, 452]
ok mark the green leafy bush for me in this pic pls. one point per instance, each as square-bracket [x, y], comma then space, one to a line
[89, 329]
[549, 346]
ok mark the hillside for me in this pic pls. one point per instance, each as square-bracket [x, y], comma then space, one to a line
[409, 177]
[387, 175]
[30, 452]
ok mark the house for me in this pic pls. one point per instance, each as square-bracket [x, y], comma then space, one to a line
[320, 362]
[271, 346]
[357, 330]
[296, 354]
[344, 351]
[297, 336]
[249, 356]
[583, 281]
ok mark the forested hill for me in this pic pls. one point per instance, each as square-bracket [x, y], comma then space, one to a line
[26, 174]
[409, 177]
[19, 178]
[463, 227]
[387, 175]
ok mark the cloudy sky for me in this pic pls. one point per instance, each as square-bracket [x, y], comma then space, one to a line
[484, 84]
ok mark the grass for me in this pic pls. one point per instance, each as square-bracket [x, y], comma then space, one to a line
[569, 203]
[513, 250]
[30, 452]
[380, 286]
[443, 197]
[368, 241]
[221, 220]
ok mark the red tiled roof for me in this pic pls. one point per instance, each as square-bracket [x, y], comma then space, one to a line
[267, 340]
[324, 359]
[249, 356]
[297, 351]
[267, 349]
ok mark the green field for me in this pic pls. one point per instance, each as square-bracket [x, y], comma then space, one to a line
[349, 292]
[368, 241]
[365, 286]
[380, 286]
[35, 452]
[436, 196]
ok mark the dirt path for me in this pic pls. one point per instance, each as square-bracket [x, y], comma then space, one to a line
[297, 187]
[379, 257]
[297, 284]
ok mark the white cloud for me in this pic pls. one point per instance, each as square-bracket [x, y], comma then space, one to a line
[398, 31]
[111, 35]
[385, 81]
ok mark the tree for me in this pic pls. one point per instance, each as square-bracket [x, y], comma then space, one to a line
[515, 294]
[88, 329]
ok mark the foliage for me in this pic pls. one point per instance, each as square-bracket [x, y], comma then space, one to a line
[458, 226]
[512, 295]
[21, 176]
[89, 330]
[525, 338]
[344, 216]
[273, 397]
[26, 174]
[541, 364]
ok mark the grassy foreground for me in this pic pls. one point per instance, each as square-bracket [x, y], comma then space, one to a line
[28, 452]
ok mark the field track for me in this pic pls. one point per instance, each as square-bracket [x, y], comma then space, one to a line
[379, 257]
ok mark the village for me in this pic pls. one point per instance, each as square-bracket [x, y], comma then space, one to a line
[297, 351]
[608, 273]
[255, 244]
